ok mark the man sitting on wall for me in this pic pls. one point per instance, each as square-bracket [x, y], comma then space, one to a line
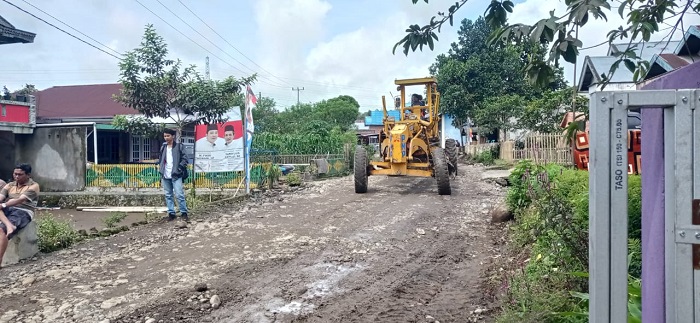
[19, 203]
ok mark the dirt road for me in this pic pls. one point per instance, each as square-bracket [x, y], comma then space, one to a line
[400, 253]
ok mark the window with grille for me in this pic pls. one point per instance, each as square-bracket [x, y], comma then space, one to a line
[140, 148]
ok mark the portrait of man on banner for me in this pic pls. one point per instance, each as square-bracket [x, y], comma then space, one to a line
[219, 147]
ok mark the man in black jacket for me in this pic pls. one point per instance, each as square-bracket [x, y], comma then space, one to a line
[172, 165]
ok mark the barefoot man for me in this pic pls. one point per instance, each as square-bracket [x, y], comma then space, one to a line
[19, 199]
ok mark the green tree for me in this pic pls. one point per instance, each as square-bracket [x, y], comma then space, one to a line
[500, 112]
[339, 112]
[545, 114]
[472, 72]
[265, 115]
[293, 119]
[28, 89]
[160, 87]
[560, 32]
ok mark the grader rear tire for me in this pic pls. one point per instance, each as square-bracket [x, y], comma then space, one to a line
[441, 170]
[451, 152]
[360, 169]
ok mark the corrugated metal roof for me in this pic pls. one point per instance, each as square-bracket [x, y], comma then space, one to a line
[674, 61]
[375, 117]
[647, 50]
[601, 65]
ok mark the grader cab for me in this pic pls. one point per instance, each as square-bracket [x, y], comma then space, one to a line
[411, 146]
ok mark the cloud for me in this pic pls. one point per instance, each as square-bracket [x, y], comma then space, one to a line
[358, 62]
[287, 28]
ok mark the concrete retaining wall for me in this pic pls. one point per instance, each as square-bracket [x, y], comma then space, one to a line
[57, 156]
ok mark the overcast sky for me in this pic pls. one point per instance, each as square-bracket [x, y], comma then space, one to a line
[328, 47]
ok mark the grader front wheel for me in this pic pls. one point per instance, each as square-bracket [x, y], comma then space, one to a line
[441, 170]
[360, 168]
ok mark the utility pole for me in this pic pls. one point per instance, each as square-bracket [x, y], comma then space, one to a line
[206, 71]
[298, 90]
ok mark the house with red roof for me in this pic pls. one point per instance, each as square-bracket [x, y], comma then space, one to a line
[94, 107]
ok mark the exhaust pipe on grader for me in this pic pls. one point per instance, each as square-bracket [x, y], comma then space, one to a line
[411, 146]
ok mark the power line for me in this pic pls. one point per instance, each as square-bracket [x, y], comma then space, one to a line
[183, 34]
[201, 35]
[69, 26]
[224, 39]
[281, 78]
[54, 26]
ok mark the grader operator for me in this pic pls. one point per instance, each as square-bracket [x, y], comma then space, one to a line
[410, 146]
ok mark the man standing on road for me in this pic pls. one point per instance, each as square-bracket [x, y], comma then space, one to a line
[172, 165]
[19, 199]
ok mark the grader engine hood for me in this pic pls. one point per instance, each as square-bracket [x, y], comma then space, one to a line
[399, 137]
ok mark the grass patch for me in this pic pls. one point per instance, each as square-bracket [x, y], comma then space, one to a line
[113, 219]
[550, 203]
[55, 234]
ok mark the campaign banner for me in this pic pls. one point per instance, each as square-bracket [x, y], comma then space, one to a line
[218, 147]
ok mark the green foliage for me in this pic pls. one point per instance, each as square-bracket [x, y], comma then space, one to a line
[293, 179]
[304, 143]
[539, 290]
[634, 206]
[479, 82]
[113, 218]
[500, 112]
[26, 90]
[544, 114]
[485, 157]
[524, 180]
[320, 128]
[272, 175]
[160, 87]
[194, 202]
[139, 125]
[421, 36]
[320, 117]
[551, 207]
[339, 112]
[634, 301]
[559, 32]
[371, 151]
[635, 257]
[155, 217]
[55, 234]
[264, 114]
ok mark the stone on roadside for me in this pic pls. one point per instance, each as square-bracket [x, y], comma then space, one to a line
[28, 281]
[500, 213]
[501, 181]
[215, 301]
[200, 287]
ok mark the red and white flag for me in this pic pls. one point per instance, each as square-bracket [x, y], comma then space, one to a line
[251, 101]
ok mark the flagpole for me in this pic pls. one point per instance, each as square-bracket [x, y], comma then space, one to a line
[246, 153]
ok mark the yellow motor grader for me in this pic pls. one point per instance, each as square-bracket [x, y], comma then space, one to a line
[410, 146]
